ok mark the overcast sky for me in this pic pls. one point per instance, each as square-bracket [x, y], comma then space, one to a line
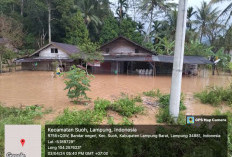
[193, 3]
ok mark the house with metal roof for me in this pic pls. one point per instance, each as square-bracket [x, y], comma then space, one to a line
[44, 58]
[123, 56]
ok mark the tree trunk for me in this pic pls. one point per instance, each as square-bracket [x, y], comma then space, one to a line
[22, 7]
[49, 22]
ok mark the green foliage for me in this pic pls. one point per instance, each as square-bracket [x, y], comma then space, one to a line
[110, 121]
[87, 117]
[101, 105]
[165, 46]
[163, 116]
[128, 29]
[77, 84]
[76, 30]
[137, 98]
[153, 93]
[126, 107]
[89, 53]
[126, 121]
[12, 115]
[195, 48]
[216, 95]
[229, 118]
[110, 30]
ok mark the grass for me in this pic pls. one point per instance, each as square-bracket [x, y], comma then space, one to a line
[163, 116]
[153, 93]
[126, 106]
[216, 96]
[12, 115]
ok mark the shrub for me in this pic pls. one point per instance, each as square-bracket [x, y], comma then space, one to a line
[137, 98]
[101, 105]
[77, 84]
[87, 117]
[163, 116]
[153, 93]
[126, 106]
[215, 95]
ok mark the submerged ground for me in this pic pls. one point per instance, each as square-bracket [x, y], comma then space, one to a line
[40, 88]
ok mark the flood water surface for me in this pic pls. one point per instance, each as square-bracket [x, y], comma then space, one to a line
[31, 88]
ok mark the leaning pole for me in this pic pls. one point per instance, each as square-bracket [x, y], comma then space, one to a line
[178, 60]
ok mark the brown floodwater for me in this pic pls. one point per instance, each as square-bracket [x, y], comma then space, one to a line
[31, 88]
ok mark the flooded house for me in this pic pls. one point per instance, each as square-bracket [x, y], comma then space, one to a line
[123, 56]
[44, 58]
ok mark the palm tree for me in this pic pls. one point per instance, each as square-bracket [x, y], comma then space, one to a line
[140, 27]
[190, 13]
[88, 9]
[122, 9]
[147, 8]
[226, 11]
[204, 17]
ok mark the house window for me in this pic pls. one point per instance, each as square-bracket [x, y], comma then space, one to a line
[136, 50]
[107, 50]
[54, 50]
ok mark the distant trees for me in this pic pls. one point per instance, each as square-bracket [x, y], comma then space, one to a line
[205, 17]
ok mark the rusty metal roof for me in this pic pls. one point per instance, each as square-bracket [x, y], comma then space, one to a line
[130, 41]
[67, 48]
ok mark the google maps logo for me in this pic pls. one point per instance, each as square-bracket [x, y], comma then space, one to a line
[190, 120]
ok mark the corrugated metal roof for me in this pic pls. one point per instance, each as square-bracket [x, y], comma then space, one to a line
[159, 58]
[129, 58]
[187, 59]
[69, 49]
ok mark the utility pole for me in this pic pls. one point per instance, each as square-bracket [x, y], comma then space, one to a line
[178, 60]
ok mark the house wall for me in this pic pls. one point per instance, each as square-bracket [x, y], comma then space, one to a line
[41, 66]
[122, 46]
[47, 53]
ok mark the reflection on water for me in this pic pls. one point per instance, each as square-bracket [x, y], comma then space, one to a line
[29, 88]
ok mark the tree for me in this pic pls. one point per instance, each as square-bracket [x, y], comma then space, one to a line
[148, 7]
[226, 11]
[77, 84]
[76, 30]
[89, 52]
[165, 46]
[128, 28]
[110, 30]
[11, 30]
[122, 9]
[205, 15]
[190, 13]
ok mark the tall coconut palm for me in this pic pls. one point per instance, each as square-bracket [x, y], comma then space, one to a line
[190, 13]
[204, 17]
[88, 9]
[148, 8]
[226, 11]
[122, 9]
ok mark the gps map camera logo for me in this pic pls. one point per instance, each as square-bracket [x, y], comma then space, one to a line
[190, 120]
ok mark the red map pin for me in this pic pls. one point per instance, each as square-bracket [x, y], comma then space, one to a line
[22, 141]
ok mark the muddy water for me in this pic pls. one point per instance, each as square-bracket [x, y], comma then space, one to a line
[30, 88]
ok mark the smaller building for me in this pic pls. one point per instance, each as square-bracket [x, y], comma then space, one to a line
[45, 57]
